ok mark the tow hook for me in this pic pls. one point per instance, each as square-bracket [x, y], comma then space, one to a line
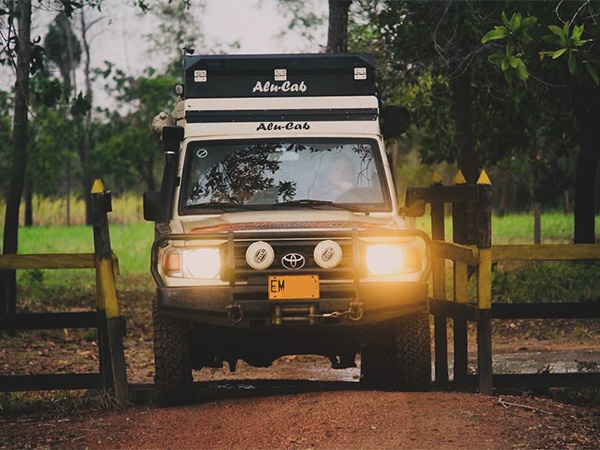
[235, 313]
[355, 311]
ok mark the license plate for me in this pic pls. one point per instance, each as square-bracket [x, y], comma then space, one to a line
[292, 287]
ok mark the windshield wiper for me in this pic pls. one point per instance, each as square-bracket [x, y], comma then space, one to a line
[316, 203]
[220, 205]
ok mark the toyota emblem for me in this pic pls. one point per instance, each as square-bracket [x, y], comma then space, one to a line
[293, 261]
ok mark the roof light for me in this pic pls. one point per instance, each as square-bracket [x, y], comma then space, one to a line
[199, 76]
[280, 75]
[360, 73]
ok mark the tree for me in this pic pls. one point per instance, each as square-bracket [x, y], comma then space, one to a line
[23, 50]
[568, 61]
[85, 147]
[337, 35]
[439, 41]
[63, 50]
[130, 152]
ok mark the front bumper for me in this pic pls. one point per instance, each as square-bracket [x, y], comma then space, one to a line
[341, 304]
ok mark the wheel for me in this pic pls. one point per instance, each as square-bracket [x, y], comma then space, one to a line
[173, 372]
[398, 355]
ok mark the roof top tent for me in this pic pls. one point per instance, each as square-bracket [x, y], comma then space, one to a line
[310, 75]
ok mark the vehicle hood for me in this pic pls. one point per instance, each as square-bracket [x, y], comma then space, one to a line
[289, 220]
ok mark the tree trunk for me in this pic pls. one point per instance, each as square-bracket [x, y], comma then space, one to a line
[586, 106]
[19, 154]
[68, 193]
[466, 158]
[85, 148]
[150, 183]
[28, 201]
[537, 223]
[504, 193]
[566, 202]
[337, 34]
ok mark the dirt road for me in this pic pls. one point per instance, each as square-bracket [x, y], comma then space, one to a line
[287, 414]
[298, 403]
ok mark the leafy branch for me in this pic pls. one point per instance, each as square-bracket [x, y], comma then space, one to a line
[515, 33]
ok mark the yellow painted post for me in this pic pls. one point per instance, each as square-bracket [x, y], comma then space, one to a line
[439, 288]
[460, 341]
[484, 285]
[113, 367]
[438, 233]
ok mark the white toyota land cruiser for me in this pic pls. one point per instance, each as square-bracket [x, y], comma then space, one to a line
[277, 226]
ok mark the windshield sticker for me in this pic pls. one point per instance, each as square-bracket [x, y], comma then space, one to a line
[288, 126]
[287, 86]
[202, 153]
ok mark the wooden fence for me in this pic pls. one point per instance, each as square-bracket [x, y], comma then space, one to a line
[112, 374]
[472, 250]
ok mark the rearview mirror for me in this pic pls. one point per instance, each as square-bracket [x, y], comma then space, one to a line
[395, 120]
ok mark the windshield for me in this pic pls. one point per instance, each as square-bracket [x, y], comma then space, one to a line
[280, 173]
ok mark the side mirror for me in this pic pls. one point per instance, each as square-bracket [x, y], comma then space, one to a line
[172, 136]
[395, 120]
[151, 201]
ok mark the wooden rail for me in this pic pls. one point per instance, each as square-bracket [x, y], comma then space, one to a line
[48, 261]
[465, 254]
[472, 251]
[112, 374]
[545, 252]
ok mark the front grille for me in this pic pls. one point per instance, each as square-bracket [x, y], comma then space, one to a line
[243, 272]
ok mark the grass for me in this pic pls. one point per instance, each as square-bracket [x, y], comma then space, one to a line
[547, 283]
[557, 228]
[53, 405]
[131, 243]
[50, 212]
[131, 240]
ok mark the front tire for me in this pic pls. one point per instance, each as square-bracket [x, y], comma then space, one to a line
[398, 355]
[173, 372]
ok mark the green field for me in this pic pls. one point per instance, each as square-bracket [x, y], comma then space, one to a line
[132, 242]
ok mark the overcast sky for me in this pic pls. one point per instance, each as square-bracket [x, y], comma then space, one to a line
[119, 36]
[254, 24]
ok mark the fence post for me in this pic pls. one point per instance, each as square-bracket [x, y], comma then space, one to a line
[484, 285]
[113, 367]
[459, 236]
[439, 288]
[8, 295]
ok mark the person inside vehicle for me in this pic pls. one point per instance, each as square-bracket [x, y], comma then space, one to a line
[338, 179]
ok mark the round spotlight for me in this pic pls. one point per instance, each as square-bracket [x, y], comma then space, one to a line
[328, 254]
[260, 255]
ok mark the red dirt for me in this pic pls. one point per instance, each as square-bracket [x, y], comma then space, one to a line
[284, 409]
[327, 420]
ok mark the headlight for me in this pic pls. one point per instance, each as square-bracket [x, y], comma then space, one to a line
[388, 259]
[202, 263]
